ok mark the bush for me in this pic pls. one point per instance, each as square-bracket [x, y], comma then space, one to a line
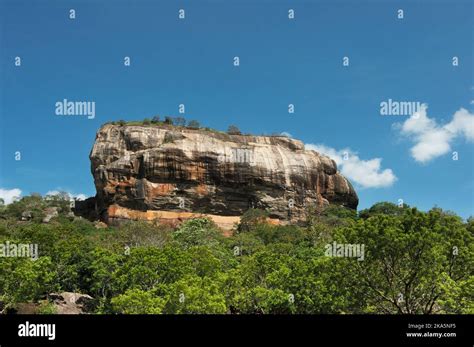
[145, 268]
[233, 130]
[180, 121]
[197, 232]
[136, 301]
[47, 307]
[193, 124]
[251, 218]
[386, 208]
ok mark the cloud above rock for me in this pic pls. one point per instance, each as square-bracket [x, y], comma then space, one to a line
[364, 173]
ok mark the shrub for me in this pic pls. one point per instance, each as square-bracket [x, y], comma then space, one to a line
[180, 121]
[197, 232]
[233, 130]
[194, 124]
[136, 301]
[251, 218]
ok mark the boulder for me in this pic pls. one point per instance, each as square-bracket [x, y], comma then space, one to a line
[163, 168]
[71, 303]
[49, 213]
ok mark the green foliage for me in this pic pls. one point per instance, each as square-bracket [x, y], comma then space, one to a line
[384, 208]
[33, 207]
[264, 300]
[414, 262]
[46, 307]
[136, 301]
[251, 218]
[233, 130]
[24, 279]
[196, 232]
[340, 212]
[180, 121]
[148, 267]
[459, 295]
[195, 295]
[194, 124]
[139, 233]
[246, 243]
[336, 216]
[408, 259]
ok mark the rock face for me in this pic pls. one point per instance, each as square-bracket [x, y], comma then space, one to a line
[164, 168]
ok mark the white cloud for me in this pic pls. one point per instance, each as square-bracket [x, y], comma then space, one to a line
[365, 173]
[462, 124]
[284, 133]
[432, 140]
[9, 194]
[71, 195]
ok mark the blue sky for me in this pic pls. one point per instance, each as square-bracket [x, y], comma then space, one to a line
[282, 61]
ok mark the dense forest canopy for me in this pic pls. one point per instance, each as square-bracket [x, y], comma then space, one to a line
[413, 262]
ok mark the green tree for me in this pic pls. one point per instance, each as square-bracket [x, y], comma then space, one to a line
[24, 279]
[195, 295]
[103, 268]
[169, 120]
[196, 232]
[180, 121]
[141, 233]
[147, 268]
[251, 218]
[408, 259]
[384, 208]
[233, 130]
[194, 124]
[136, 301]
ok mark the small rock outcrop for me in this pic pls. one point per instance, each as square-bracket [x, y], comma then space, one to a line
[50, 212]
[71, 303]
[61, 303]
[145, 170]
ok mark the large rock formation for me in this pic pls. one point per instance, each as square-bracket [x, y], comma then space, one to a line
[145, 170]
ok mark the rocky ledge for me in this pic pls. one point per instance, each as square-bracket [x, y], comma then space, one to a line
[143, 168]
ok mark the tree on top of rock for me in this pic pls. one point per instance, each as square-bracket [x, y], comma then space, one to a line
[194, 124]
[233, 130]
